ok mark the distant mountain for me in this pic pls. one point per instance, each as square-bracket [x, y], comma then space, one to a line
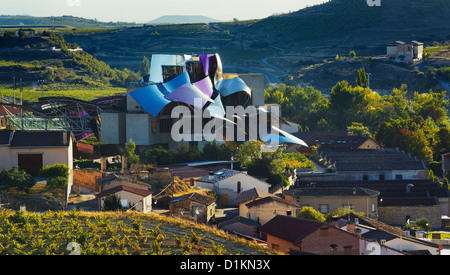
[182, 19]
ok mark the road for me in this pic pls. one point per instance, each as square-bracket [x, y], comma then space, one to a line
[444, 84]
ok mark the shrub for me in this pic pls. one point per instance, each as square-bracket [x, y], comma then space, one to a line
[16, 178]
[58, 182]
[56, 170]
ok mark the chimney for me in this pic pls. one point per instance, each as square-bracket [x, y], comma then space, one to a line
[211, 175]
[358, 232]
[124, 164]
[335, 221]
[103, 164]
[64, 138]
[351, 227]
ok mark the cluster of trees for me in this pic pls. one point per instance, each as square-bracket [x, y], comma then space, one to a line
[416, 123]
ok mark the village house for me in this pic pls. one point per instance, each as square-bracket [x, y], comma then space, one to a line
[241, 226]
[377, 237]
[249, 196]
[114, 180]
[228, 184]
[408, 52]
[330, 199]
[194, 206]
[397, 200]
[264, 209]
[290, 234]
[31, 151]
[130, 197]
[339, 140]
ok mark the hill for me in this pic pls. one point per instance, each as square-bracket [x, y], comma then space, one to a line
[66, 20]
[182, 19]
[114, 233]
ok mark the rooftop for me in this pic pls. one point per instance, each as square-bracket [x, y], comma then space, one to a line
[332, 192]
[250, 195]
[269, 200]
[35, 138]
[372, 160]
[197, 198]
[137, 191]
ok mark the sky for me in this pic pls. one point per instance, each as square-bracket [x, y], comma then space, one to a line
[142, 11]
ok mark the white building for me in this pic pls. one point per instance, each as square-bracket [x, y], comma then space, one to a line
[32, 151]
[228, 184]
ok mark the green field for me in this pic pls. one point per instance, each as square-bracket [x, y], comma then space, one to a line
[86, 94]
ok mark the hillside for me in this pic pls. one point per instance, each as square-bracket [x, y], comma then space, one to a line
[114, 233]
[66, 20]
[55, 68]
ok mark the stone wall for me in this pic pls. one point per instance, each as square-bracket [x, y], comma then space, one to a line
[87, 177]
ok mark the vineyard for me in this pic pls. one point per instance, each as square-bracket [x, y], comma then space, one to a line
[113, 233]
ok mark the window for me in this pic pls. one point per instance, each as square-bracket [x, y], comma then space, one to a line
[323, 208]
[398, 177]
[381, 176]
[289, 213]
[365, 177]
[238, 187]
[170, 72]
[153, 127]
[373, 208]
[348, 206]
[165, 125]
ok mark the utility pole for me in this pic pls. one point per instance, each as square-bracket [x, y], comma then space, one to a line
[368, 80]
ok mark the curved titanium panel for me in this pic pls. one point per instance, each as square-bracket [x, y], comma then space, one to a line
[189, 94]
[285, 137]
[151, 99]
[216, 109]
[178, 81]
[231, 86]
[205, 85]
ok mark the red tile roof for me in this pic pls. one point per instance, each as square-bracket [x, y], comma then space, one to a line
[137, 191]
[290, 228]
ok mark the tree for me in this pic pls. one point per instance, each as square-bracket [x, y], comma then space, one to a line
[358, 129]
[361, 78]
[311, 214]
[128, 151]
[144, 68]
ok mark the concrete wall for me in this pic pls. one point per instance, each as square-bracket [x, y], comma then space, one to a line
[256, 82]
[113, 128]
[359, 204]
